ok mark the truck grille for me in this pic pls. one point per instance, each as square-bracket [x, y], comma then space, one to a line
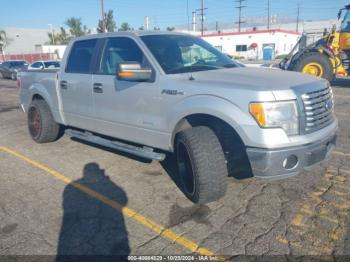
[318, 106]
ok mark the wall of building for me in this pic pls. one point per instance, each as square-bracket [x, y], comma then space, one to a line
[58, 50]
[24, 40]
[250, 45]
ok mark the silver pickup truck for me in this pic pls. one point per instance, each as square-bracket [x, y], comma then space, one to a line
[151, 93]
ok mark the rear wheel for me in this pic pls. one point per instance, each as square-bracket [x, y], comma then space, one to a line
[41, 124]
[315, 64]
[201, 164]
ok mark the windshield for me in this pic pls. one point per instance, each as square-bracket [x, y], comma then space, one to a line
[345, 25]
[52, 64]
[182, 54]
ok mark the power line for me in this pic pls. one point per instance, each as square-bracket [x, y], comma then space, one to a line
[240, 7]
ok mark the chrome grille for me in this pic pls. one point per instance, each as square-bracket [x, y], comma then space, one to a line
[318, 106]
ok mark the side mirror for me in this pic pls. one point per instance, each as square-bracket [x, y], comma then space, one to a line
[41, 67]
[132, 71]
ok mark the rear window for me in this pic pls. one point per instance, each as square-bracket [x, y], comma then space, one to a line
[80, 56]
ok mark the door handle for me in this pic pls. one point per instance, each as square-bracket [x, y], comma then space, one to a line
[98, 88]
[63, 84]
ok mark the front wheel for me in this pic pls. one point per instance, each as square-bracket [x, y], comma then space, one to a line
[201, 165]
[41, 124]
[315, 64]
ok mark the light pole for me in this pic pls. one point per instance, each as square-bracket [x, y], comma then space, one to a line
[52, 34]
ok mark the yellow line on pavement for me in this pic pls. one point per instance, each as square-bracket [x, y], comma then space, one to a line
[159, 229]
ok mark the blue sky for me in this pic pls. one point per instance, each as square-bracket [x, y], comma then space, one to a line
[40, 13]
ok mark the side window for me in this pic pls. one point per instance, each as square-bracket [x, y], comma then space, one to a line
[241, 48]
[118, 50]
[36, 65]
[80, 56]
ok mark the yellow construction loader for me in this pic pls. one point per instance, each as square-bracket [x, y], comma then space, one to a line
[328, 57]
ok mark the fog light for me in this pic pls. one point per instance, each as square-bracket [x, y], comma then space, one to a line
[290, 162]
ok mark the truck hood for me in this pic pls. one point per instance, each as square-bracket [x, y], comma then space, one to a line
[260, 79]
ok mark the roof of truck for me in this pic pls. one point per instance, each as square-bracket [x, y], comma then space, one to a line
[129, 33]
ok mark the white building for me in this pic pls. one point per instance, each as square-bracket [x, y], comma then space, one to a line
[58, 50]
[258, 44]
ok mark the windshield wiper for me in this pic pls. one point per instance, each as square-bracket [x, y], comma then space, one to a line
[193, 68]
[230, 65]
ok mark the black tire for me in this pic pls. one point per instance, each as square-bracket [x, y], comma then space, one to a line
[313, 57]
[234, 150]
[201, 165]
[41, 124]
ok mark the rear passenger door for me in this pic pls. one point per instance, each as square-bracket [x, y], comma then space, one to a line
[75, 85]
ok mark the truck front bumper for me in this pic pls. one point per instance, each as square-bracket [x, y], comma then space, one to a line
[281, 163]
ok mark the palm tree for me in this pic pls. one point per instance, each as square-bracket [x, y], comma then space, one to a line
[3, 42]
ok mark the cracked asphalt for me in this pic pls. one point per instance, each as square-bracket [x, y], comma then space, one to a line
[306, 215]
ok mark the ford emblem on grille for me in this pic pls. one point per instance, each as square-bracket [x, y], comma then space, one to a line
[329, 104]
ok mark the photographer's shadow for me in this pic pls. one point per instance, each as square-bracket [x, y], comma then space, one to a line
[90, 227]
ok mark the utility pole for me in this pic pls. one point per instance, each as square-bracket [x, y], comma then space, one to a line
[194, 23]
[103, 17]
[298, 17]
[240, 7]
[147, 23]
[217, 26]
[268, 15]
[201, 14]
[52, 34]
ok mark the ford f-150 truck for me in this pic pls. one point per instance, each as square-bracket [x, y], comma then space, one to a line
[149, 94]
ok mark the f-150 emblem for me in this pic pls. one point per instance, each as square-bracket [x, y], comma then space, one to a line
[172, 92]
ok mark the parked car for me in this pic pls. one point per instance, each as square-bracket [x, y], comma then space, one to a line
[10, 69]
[148, 93]
[50, 64]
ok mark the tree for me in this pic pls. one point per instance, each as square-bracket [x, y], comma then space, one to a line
[4, 41]
[125, 27]
[110, 23]
[61, 38]
[170, 28]
[76, 28]
[156, 28]
[141, 28]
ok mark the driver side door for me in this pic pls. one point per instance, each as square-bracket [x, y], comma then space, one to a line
[124, 109]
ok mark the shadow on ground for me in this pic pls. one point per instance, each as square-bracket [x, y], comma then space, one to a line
[341, 82]
[90, 227]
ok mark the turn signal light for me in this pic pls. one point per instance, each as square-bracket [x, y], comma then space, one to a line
[125, 74]
[257, 111]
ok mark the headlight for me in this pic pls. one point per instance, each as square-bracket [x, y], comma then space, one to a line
[277, 114]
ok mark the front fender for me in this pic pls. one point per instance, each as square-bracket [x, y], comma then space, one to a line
[211, 105]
